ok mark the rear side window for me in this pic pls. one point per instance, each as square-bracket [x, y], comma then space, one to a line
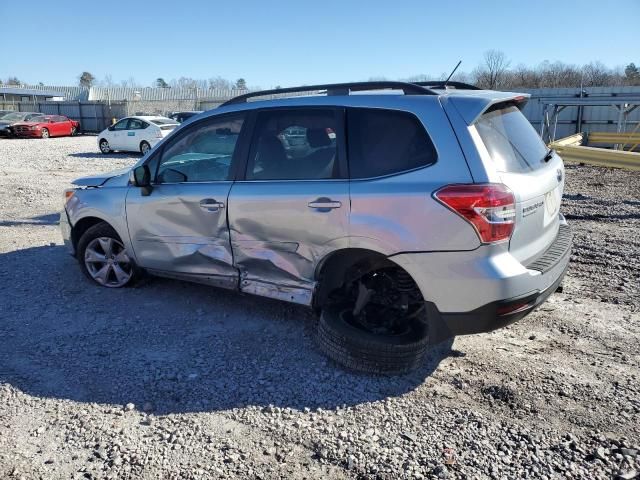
[512, 142]
[383, 142]
[298, 144]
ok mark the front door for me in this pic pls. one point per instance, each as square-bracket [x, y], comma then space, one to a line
[180, 229]
[117, 133]
[292, 207]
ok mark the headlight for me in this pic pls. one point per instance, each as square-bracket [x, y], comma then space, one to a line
[35, 127]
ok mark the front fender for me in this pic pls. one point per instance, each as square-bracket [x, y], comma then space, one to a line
[106, 204]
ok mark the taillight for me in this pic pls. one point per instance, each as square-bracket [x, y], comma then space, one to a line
[489, 207]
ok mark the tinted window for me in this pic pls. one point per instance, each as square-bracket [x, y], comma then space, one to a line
[512, 142]
[122, 124]
[203, 153]
[294, 145]
[382, 142]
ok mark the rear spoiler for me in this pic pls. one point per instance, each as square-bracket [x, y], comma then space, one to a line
[472, 105]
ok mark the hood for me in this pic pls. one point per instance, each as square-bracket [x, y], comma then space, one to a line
[100, 179]
[25, 124]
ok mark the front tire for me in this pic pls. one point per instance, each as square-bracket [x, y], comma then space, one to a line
[368, 352]
[104, 146]
[44, 133]
[73, 131]
[104, 259]
[144, 147]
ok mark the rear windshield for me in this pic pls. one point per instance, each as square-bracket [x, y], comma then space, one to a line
[511, 140]
[162, 121]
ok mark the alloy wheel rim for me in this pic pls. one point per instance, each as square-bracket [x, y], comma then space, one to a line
[145, 148]
[107, 262]
[104, 146]
[45, 133]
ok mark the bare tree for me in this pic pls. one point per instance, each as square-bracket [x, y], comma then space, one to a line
[596, 74]
[492, 74]
[107, 81]
[220, 83]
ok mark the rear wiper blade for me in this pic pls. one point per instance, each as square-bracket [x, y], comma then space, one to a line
[549, 155]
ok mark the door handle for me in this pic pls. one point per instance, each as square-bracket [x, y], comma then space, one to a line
[324, 204]
[211, 204]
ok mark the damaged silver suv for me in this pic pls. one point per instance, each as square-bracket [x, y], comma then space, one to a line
[403, 213]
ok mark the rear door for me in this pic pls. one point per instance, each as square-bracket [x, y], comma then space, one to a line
[522, 162]
[180, 229]
[292, 207]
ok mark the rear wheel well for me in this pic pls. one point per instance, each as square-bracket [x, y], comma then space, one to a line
[345, 266]
[82, 226]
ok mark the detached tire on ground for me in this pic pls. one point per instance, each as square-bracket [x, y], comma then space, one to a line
[367, 352]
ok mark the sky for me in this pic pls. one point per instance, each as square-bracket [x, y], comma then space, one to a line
[291, 43]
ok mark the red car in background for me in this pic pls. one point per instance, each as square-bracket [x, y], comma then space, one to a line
[47, 126]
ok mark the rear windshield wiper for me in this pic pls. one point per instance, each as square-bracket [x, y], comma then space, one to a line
[549, 155]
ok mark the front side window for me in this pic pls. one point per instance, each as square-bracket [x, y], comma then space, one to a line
[383, 142]
[203, 154]
[512, 142]
[122, 124]
[298, 144]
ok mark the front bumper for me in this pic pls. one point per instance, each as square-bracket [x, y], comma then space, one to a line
[65, 229]
[5, 132]
[29, 134]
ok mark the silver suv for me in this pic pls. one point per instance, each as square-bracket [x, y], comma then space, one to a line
[403, 213]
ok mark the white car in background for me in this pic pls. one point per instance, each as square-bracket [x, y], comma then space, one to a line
[135, 134]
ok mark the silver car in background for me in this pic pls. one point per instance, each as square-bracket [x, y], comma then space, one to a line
[404, 214]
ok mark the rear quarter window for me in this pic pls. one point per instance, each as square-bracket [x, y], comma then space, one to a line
[513, 144]
[383, 142]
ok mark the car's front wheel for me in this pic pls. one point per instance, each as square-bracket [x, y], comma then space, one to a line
[44, 133]
[74, 130]
[104, 146]
[104, 258]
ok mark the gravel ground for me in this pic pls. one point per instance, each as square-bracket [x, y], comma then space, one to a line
[171, 380]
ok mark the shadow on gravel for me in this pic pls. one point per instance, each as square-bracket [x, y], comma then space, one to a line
[104, 155]
[179, 346]
[48, 219]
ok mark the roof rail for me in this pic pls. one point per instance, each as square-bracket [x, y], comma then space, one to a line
[441, 84]
[338, 89]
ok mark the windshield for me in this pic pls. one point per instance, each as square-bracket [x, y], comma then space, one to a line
[511, 140]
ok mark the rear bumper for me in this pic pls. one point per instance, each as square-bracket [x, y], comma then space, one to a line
[491, 316]
[482, 290]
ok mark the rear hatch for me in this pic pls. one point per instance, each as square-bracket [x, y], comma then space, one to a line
[531, 171]
[166, 125]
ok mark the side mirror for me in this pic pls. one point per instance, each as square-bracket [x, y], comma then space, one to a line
[51, 120]
[142, 179]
